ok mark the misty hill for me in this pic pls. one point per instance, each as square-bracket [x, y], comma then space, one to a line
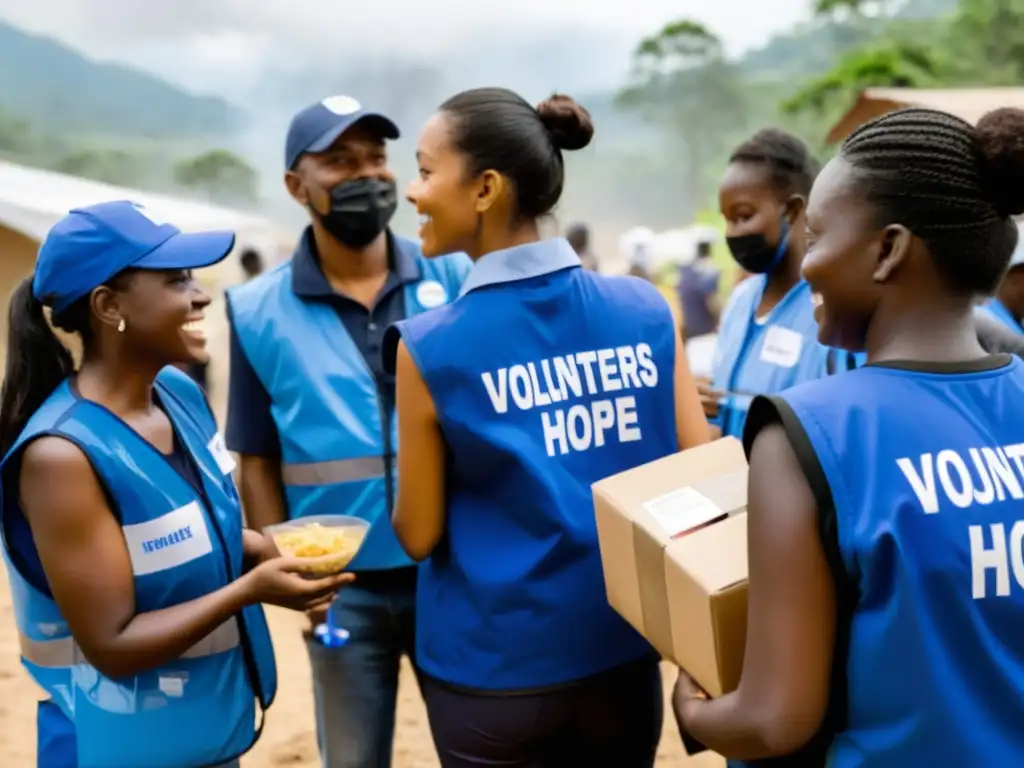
[53, 86]
[813, 47]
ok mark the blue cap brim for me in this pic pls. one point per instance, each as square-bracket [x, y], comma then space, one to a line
[375, 120]
[188, 250]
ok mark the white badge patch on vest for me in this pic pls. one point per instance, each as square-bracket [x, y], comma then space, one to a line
[431, 293]
[173, 684]
[168, 541]
[342, 105]
[219, 450]
[782, 346]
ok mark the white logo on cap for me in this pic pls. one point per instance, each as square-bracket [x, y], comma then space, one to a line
[342, 105]
[153, 217]
[431, 293]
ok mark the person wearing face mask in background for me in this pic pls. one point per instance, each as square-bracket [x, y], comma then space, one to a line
[312, 412]
[767, 341]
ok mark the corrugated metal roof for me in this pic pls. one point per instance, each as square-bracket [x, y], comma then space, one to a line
[969, 104]
[33, 200]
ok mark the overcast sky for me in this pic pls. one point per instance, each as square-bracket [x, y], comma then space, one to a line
[185, 38]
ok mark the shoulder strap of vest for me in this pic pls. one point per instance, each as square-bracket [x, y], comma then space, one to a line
[46, 420]
[180, 386]
[244, 300]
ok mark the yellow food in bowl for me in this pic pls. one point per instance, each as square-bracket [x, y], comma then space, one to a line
[332, 547]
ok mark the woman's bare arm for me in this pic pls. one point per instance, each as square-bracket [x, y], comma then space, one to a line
[691, 424]
[791, 619]
[419, 514]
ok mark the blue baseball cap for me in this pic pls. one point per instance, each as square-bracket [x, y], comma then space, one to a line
[319, 125]
[90, 245]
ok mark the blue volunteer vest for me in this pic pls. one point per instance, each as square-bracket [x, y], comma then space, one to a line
[198, 710]
[335, 434]
[926, 472]
[763, 358]
[546, 378]
[995, 309]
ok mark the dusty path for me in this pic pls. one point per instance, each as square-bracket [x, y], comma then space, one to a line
[288, 739]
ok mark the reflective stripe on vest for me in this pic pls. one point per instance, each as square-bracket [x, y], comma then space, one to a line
[64, 651]
[330, 472]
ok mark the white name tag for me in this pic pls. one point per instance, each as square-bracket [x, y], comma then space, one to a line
[168, 541]
[781, 346]
[219, 450]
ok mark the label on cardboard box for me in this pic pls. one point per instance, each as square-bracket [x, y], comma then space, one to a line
[680, 512]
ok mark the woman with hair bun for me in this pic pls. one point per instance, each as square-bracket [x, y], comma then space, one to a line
[886, 608]
[539, 380]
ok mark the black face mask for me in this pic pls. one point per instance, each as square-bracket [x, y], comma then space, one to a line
[360, 210]
[755, 254]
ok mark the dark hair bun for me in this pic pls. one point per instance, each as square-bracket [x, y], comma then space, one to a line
[1001, 145]
[568, 123]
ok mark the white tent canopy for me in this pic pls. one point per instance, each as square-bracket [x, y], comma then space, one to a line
[33, 200]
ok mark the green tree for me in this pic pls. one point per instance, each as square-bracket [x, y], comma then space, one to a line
[222, 175]
[860, 8]
[15, 135]
[682, 80]
[987, 37]
[107, 165]
[897, 65]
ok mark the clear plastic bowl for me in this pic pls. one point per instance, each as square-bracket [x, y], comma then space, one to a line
[333, 550]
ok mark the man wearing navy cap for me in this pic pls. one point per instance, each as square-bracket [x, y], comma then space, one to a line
[311, 410]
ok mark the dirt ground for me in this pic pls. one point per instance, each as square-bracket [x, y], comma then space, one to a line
[288, 739]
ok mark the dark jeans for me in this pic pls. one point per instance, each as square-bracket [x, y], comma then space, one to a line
[356, 686]
[611, 720]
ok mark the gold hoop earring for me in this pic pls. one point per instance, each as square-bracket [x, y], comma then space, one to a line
[121, 326]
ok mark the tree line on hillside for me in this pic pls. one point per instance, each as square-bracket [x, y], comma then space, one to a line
[217, 174]
[683, 80]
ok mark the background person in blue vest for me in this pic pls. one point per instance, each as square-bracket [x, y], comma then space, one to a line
[522, 660]
[312, 412]
[130, 571]
[767, 336]
[887, 603]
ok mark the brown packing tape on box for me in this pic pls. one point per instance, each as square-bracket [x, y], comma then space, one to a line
[637, 513]
[709, 635]
[728, 492]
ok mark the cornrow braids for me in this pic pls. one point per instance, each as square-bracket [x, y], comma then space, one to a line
[791, 165]
[930, 172]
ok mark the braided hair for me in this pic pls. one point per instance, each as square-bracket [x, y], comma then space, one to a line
[952, 185]
[790, 164]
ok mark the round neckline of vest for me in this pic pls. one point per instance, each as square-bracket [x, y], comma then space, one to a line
[73, 387]
[979, 365]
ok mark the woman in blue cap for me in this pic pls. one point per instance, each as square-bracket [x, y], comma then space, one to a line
[539, 380]
[136, 590]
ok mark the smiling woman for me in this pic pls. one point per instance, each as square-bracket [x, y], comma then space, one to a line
[886, 609]
[136, 591]
[539, 380]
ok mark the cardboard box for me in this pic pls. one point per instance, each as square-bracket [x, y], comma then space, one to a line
[673, 538]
